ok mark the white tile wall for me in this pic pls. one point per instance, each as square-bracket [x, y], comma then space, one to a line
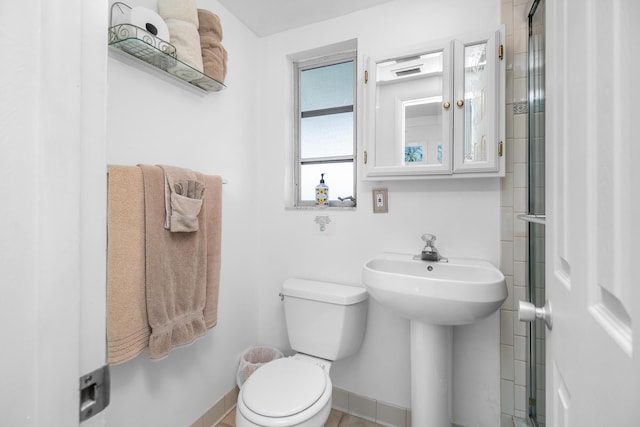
[520, 348]
[506, 258]
[507, 365]
[370, 409]
[509, 302]
[506, 327]
[520, 145]
[519, 89]
[506, 223]
[507, 398]
[519, 62]
[520, 373]
[519, 273]
[520, 394]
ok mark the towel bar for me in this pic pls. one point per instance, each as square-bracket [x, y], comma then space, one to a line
[224, 181]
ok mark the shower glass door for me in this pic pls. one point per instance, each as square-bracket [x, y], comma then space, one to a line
[536, 264]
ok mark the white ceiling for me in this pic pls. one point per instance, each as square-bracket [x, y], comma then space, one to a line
[266, 17]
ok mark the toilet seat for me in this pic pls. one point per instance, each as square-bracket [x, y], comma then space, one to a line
[284, 387]
[286, 392]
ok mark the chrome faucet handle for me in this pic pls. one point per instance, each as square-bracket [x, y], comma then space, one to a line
[429, 239]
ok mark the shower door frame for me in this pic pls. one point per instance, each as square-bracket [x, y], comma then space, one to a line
[536, 208]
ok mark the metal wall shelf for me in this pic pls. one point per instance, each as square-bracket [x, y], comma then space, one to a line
[156, 52]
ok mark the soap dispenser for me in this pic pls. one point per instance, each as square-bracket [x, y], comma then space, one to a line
[322, 193]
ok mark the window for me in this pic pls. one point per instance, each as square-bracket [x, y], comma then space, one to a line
[325, 127]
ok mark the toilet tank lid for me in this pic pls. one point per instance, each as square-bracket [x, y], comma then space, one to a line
[324, 291]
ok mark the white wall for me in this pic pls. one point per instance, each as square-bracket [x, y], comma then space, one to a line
[18, 228]
[464, 214]
[155, 120]
[244, 134]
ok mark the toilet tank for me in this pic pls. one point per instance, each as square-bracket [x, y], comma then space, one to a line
[325, 320]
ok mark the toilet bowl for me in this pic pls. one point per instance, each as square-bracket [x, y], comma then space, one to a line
[293, 391]
[325, 322]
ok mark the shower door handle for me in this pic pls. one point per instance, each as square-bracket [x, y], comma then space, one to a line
[528, 312]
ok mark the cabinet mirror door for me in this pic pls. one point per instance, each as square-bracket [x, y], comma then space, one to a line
[412, 115]
[475, 106]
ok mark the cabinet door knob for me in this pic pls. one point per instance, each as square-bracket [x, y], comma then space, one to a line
[446, 105]
[460, 103]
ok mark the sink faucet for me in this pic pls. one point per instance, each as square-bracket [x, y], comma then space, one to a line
[429, 252]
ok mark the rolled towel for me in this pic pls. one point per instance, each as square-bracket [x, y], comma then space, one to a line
[183, 10]
[209, 24]
[185, 37]
[182, 198]
[209, 42]
[214, 59]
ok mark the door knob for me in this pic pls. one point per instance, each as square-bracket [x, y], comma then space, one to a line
[460, 103]
[446, 105]
[528, 312]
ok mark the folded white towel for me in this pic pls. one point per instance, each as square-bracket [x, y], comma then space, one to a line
[184, 10]
[185, 37]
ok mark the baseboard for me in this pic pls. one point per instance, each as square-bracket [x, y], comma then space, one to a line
[364, 407]
[219, 410]
[373, 410]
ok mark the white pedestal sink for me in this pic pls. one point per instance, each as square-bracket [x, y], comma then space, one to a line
[435, 296]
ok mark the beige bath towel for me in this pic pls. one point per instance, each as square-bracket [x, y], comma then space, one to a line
[214, 55]
[127, 325]
[214, 59]
[213, 215]
[209, 24]
[182, 199]
[176, 273]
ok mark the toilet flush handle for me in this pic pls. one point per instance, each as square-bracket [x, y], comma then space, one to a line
[281, 295]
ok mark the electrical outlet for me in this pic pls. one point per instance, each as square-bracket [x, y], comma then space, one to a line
[380, 200]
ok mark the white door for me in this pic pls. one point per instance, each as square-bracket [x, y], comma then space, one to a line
[593, 237]
[52, 181]
[93, 24]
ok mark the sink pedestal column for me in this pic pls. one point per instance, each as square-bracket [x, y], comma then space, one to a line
[431, 352]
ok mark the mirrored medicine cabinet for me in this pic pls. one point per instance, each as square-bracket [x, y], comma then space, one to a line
[437, 111]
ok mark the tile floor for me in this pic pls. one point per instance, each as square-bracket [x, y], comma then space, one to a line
[336, 419]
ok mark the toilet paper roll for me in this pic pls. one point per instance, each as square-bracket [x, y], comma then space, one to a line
[144, 18]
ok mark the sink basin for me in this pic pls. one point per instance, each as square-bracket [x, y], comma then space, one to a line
[457, 292]
[435, 296]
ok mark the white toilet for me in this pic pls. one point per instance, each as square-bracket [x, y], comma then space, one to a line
[325, 322]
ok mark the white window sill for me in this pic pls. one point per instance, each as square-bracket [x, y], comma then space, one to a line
[320, 208]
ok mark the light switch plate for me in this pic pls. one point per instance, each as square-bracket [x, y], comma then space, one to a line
[380, 200]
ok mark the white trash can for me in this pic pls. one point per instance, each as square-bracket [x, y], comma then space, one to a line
[254, 357]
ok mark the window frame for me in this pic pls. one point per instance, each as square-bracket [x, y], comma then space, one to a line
[300, 66]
